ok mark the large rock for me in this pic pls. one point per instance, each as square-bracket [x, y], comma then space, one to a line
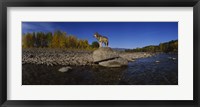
[118, 62]
[107, 57]
[104, 53]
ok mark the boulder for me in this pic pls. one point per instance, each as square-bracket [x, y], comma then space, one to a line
[104, 53]
[118, 62]
[64, 69]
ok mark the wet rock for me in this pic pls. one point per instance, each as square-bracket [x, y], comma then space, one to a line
[104, 53]
[118, 62]
[65, 69]
[157, 61]
[173, 58]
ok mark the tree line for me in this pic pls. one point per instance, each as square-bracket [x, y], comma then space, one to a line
[57, 39]
[171, 46]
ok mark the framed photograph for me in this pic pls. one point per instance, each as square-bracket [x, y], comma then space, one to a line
[91, 53]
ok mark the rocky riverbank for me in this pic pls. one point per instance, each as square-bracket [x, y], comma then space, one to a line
[67, 57]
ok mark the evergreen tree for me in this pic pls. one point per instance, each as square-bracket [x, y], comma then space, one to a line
[95, 44]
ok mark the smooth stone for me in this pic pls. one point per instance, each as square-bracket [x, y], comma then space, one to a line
[174, 58]
[64, 69]
[104, 53]
[157, 61]
[118, 62]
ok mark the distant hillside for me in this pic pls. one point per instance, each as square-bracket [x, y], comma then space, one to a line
[119, 49]
[171, 46]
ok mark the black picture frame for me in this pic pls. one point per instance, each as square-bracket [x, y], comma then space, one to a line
[99, 3]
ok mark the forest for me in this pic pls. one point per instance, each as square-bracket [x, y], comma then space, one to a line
[58, 39]
[171, 46]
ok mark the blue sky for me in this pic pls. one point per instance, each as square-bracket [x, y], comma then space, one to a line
[120, 34]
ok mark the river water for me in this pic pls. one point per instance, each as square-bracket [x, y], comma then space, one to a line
[161, 69]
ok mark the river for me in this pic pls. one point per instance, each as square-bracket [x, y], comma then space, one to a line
[161, 69]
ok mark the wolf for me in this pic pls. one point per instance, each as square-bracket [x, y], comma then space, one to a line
[101, 39]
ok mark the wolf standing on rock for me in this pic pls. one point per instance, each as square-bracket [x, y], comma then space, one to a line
[101, 39]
